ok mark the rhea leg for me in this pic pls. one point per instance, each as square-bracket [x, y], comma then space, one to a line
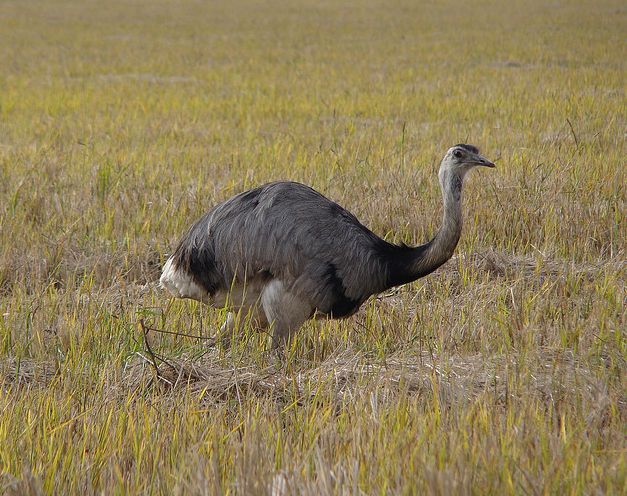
[232, 325]
[229, 324]
[284, 310]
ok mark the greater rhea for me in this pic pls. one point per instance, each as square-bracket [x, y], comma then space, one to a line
[284, 253]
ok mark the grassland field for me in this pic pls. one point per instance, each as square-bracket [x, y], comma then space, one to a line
[504, 372]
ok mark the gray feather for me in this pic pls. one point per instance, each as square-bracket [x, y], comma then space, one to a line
[290, 231]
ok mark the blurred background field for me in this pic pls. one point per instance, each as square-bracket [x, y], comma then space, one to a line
[503, 372]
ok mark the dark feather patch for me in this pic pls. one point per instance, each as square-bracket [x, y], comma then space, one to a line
[251, 196]
[342, 306]
[457, 188]
[469, 148]
[195, 256]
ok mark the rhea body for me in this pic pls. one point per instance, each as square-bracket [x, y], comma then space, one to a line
[284, 253]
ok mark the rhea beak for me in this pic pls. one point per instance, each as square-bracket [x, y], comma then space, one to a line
[481, 160]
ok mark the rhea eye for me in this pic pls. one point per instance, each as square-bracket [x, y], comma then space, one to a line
[457, 154]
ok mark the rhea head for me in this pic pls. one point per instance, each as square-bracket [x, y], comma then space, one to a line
[461, 158]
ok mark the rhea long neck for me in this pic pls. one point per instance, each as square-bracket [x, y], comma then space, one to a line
[421, 260]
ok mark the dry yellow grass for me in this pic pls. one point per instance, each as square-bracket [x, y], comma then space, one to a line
[503, 372]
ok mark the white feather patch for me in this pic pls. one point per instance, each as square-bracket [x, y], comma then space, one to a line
[180, 284]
